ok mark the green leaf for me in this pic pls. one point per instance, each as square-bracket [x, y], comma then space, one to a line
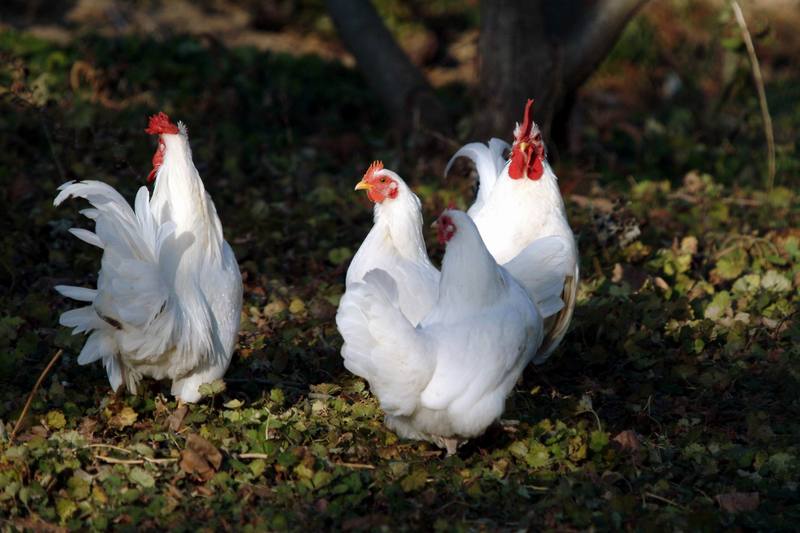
[78, 487]
[276, 395]
[321, 479]
[65, 508]
[56, 420]
[257, 467]
[598, 440]
[142, 477]
[414, 481]
[773, 281]
[518, 449]
[792, 247]
[718, 306]
[538, 456]
[732, 264]
[212, 389]
[781, 462]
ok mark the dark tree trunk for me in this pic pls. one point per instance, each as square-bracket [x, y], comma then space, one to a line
[517, 61]
[538, 49]
[542, 50]
[403, 89]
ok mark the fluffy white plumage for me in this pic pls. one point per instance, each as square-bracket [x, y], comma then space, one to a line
[489, 160]
[169, 290]
[447, 379]
[512, 213]
[396, 245]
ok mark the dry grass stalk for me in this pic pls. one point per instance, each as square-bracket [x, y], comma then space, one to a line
[762, 95]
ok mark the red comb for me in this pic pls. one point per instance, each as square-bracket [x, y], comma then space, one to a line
[527, 121]
[159, 124]
[373, 168]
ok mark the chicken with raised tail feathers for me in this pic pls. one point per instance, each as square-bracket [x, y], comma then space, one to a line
[518, 202]
[169, 292]
[446, 379]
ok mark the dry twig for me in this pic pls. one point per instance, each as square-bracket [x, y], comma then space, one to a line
[144, 459]
[33, 393]
[762, 94]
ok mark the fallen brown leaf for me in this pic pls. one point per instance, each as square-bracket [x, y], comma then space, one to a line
[205, 449]
[736, 502]
[175, 419]
[628, 440]
[193, 463]
[87, 427]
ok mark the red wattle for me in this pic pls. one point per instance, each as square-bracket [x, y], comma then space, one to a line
[536, 168]
[375, 196]
[517, 167]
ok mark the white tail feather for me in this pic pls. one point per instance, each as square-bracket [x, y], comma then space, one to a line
[99, 345]
[87, 236]
[489, 163]
[82, 294]
[81, 319]
[131, 288]
[560, 322]
[114, 372]
[90, 213]
[381, 345]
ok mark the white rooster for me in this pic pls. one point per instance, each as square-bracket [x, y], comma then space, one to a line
[395, 243]
[446, 380]
[169, 291]
[518, 201]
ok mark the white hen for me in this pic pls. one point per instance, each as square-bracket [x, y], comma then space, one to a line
[169, 291]
[395, 243]
[519, 202]
[446, 380]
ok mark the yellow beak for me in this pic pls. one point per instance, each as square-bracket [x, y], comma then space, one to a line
[363, 185]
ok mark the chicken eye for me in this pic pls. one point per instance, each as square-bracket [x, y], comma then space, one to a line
[383, 180]
[537, 137]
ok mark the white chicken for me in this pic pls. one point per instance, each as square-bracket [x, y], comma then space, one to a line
[446, 380]
[169, 290]
[395, 243]
[518, 202]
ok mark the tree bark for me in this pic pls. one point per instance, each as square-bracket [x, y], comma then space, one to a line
[399, 84]
[536, 49]
[542, 50]
[596, 36]
[517, 61]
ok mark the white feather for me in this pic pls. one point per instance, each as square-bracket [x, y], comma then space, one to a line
[449, 376]
[87, 237]
[99, 345]
[488, 162]
[396, 245]
[541, 268]
[514, 214]
[82, 294]
[169, 293]
[81, 319]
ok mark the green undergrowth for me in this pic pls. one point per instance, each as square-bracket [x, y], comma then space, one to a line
[672, 404]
